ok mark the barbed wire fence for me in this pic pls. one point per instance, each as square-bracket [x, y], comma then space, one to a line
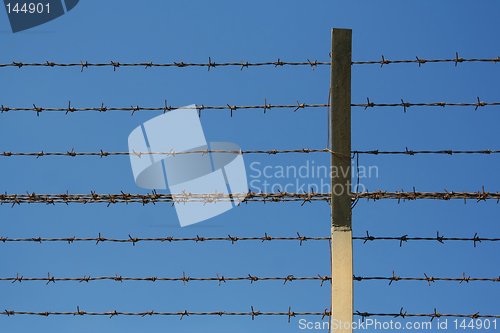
[306, 197]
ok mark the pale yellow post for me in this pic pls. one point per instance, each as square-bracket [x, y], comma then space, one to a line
[342, 281]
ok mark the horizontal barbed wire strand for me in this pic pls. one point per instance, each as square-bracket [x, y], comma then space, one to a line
[438, 238]
[186, 313]
[431, 315]
[184, 278]
[264, 107]
[241, 64]
[233, 239]
[426, 278]
[243, 197]
[252, 314]
[250, 278]
[134, 240]
[102, 153]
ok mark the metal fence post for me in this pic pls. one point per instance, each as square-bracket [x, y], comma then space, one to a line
[342, 281]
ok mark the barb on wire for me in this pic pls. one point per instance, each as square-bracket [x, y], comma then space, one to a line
[181, 314]
[243, 197]
[425, 278]
[438, 238]
[406, 105]
[184, 278]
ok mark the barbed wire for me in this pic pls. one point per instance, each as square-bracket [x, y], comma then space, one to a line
[209, 64]
[184, 278]
[134, 240]
[420, 61]
[241, 64]
[438, 238]
[250, 278]
[102, 153]
[279, 196]
[433, 315]
[186, 313]
[406, 105]
[417, 152]
[426, 278]
[252, 314]
[165, 108]
[446, 195]
[265, 107]
[155, 197]
[233, 239]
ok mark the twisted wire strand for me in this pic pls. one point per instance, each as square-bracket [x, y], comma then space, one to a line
[241, 64]
[241, 197]
[184, 278]
[250, 278]
[252, 314]
[232, 108]
[441, 239]
[427, 278]
[103, 153]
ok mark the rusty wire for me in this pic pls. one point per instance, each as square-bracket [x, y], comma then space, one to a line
[210, 64]
[184, 278]
[165, 108]
[252, 314]
[420, 61]
[406, 105]
[155, 197]
[134, 240]
[433, 315]
[426, 278]
[250, 278]
[438, 238]
[186, 313]
[241, 64]
[265, 107]
[243, 197]
[103, 153]
[233, 239]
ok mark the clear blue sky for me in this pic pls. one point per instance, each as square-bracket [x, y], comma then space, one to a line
[192, 31]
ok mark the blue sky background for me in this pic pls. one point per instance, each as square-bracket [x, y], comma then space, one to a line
[191, 31]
